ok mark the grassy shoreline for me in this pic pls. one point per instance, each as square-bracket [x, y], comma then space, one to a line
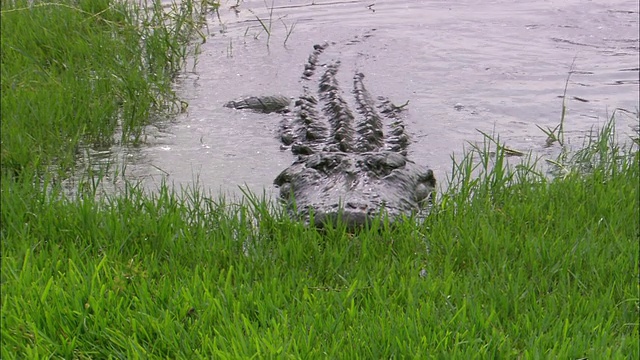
[74, 72]
[510, 264]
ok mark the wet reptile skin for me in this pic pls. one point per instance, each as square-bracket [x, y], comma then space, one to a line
[351, 166]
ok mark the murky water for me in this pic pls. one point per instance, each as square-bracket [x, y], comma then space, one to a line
[495, 66]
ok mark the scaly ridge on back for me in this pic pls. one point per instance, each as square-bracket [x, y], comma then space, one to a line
[370, 134]
[397, 139]
[340, 116]
[303, 129]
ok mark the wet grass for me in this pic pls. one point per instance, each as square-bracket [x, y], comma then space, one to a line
[510, 264]
[76, 71]
[266, 24]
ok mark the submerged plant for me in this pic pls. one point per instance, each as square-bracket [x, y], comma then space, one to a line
[266, 24]
[557, 133]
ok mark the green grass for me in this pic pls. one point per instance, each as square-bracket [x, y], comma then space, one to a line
[523, 268]
[510, 264]
[75, 71]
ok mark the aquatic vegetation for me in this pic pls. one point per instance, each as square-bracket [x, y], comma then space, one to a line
[81, 71]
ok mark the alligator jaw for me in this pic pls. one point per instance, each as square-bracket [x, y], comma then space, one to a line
[352, 218]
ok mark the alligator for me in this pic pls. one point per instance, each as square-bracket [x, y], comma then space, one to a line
[350, 167]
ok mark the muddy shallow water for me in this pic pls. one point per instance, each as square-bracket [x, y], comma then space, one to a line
[495, 66]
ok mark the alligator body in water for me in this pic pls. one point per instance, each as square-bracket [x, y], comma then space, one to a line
[351, 167]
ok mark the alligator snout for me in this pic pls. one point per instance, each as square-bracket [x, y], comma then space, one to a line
[356, 206]
[353, 215]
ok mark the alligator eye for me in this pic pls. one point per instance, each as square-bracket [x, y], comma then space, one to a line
[428, 178]
[323, 162]
[283, 178]
[385, 162]
[394, 160]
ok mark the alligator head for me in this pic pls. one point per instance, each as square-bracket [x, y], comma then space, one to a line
[355, 188]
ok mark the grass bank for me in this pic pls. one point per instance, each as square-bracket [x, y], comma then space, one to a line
[75, 71]
[509, 265]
